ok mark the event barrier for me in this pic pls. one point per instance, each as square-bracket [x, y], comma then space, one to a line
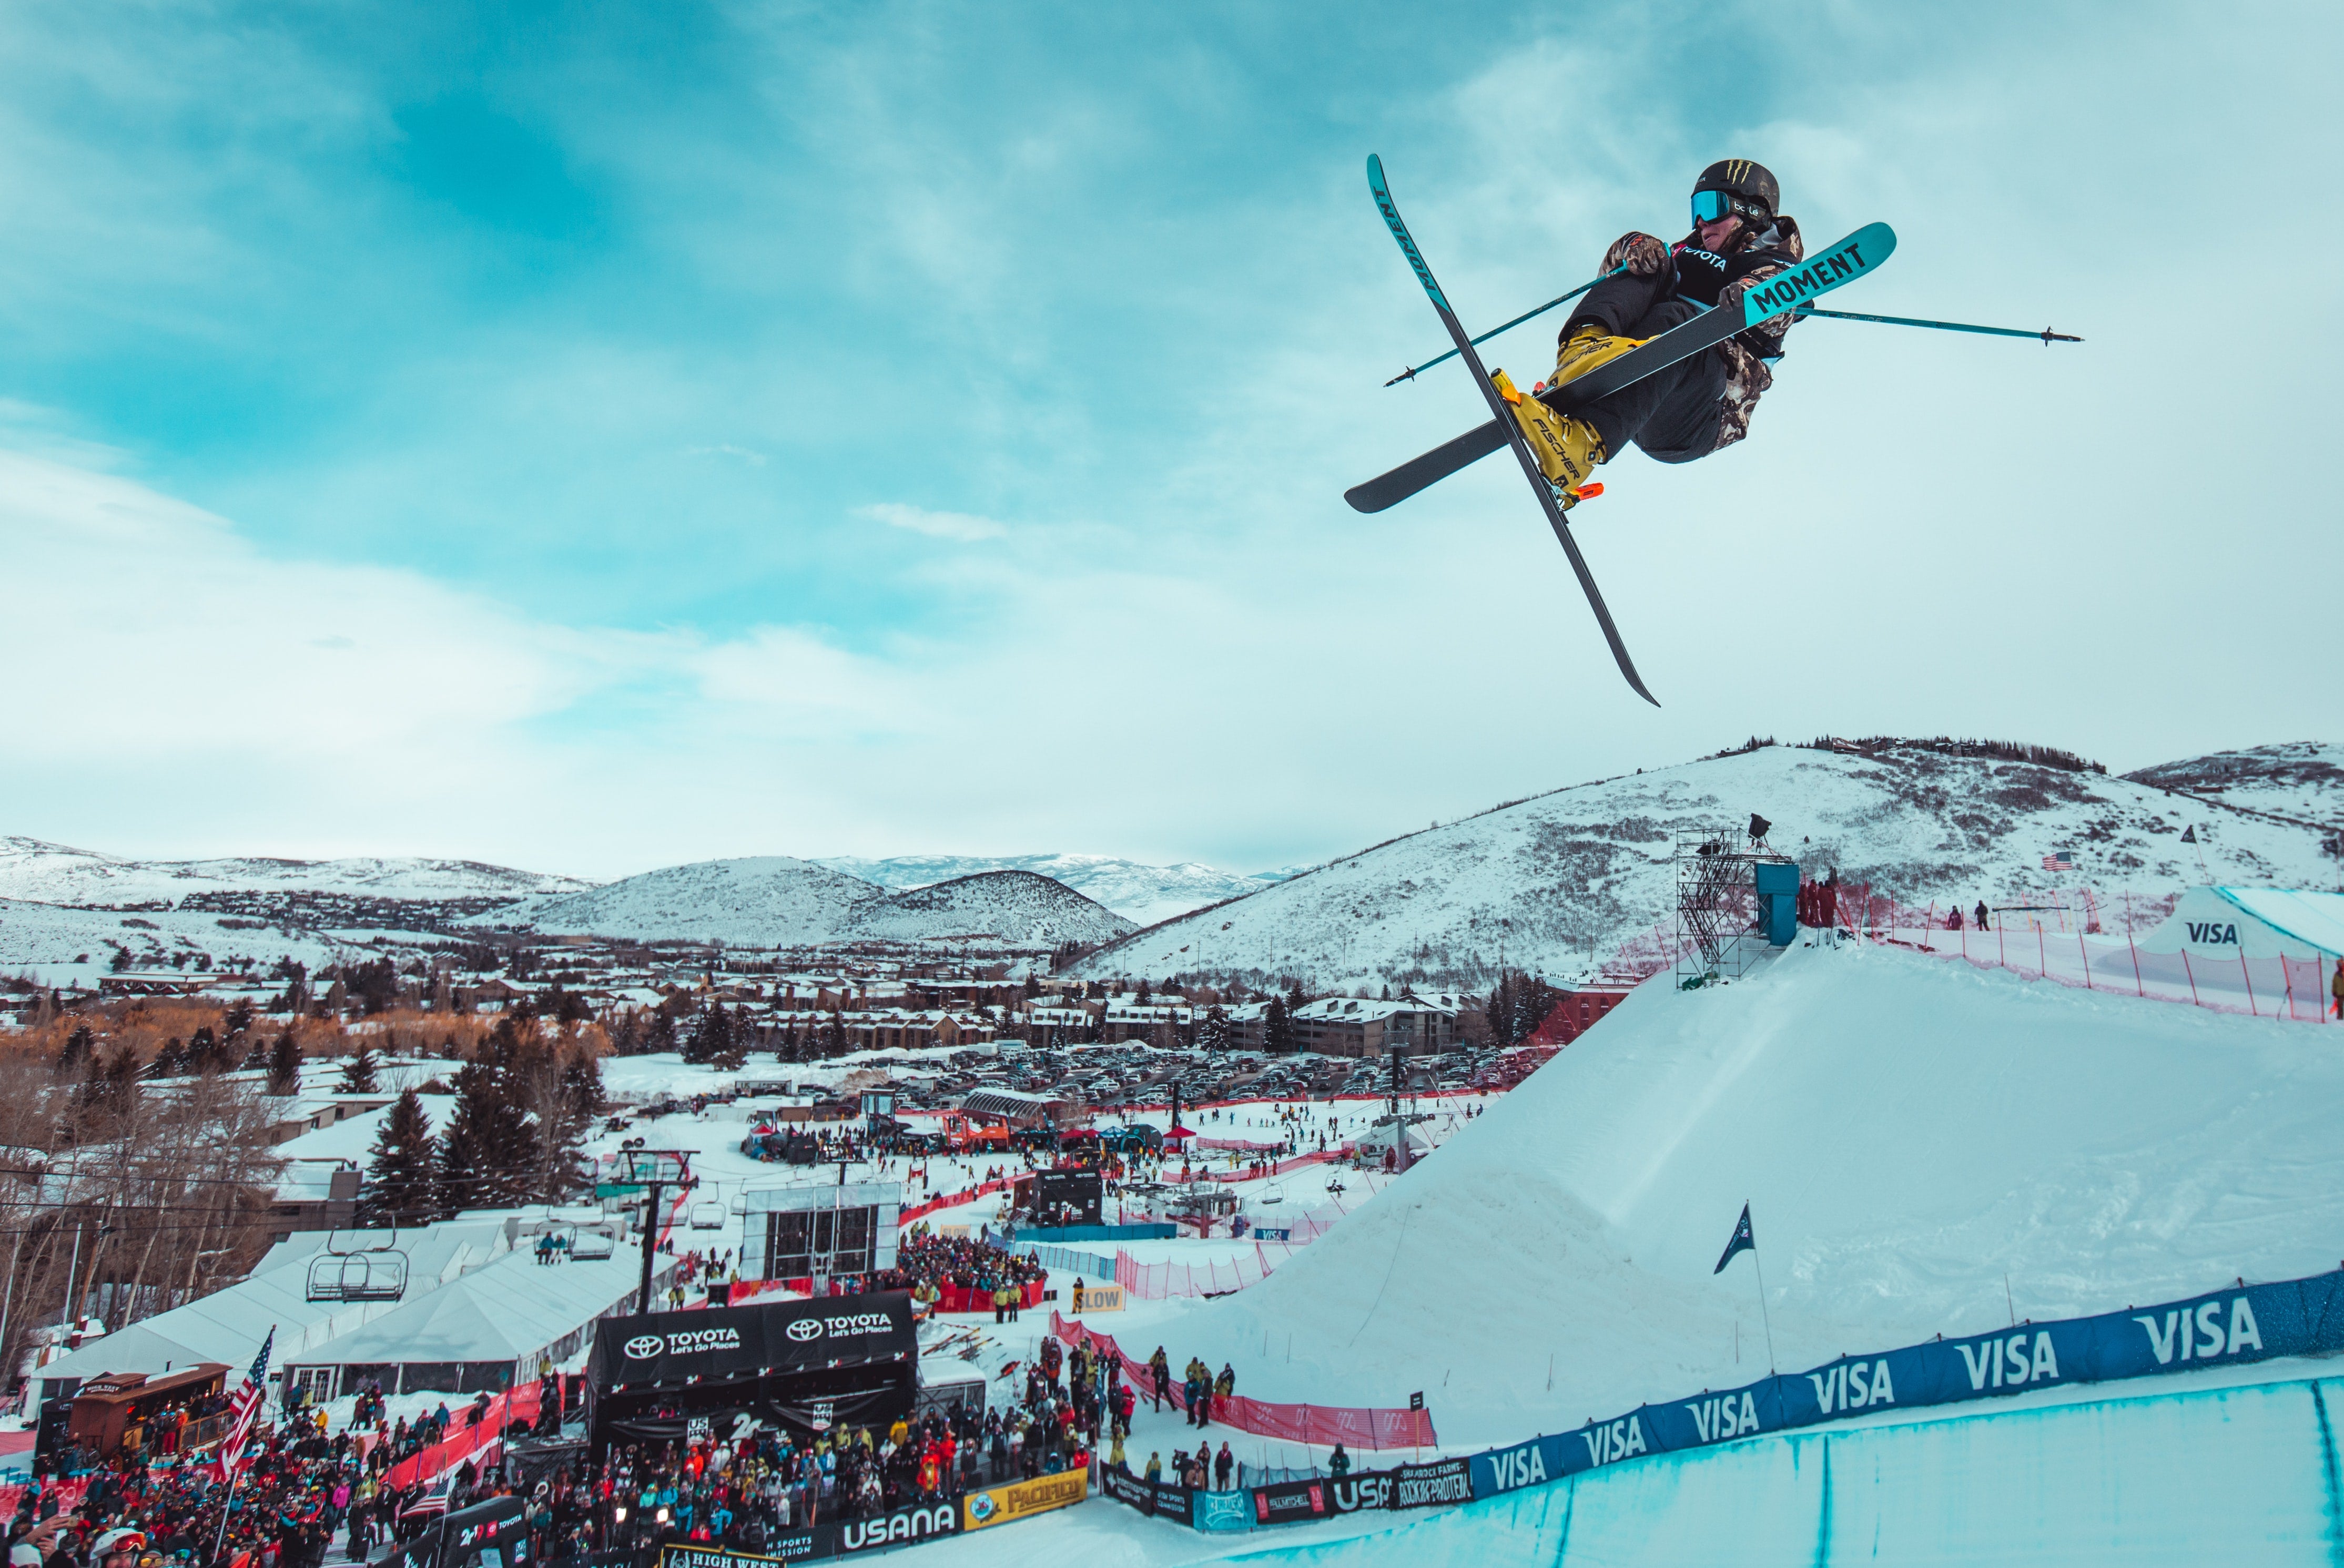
[2244, 1323]
[1368, 1431]
[1148, 1232]
[928, 1206]
[1066, 1261]
[2295, 989]
[1162, 1281]
[517, 1403]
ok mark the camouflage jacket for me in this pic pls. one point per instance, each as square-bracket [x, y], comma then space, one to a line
[1709, 279]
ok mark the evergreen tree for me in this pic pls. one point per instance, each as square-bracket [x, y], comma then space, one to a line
[285, 1064]
[485, 1151]
[358, 1073]
[1277, 1027]
[79, 1047]
[1144, 993]
[627, 1033]
[833, 1040]
[205, 1052]
[1213, 1034]
[256, 1060]
[1518, 1004]
[712, 1036]
[403, 1177]
[239, 1019]
[663, 1032]
[171, 1061]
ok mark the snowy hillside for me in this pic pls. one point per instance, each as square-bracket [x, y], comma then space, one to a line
[2304, 780]
[54, 873]
[1548, 881]
[1017, 907]
[62, 945]
[760, 900]
[1141, 893]
[1908, 1132]
[778, 901]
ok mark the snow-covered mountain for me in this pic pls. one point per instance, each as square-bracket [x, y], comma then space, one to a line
[1139, 892]
[44, 872]
[1019, 908]
[780, 901]
[1551, 883]
[2303, 780]
[758, 901]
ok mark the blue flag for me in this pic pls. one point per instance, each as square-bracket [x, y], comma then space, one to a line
[1742, 1242]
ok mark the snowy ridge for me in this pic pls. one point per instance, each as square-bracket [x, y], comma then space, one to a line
[1141, 893]
[780, 901]
[46, 873]
[760, 900]
[1558, 882]
[2302, 779]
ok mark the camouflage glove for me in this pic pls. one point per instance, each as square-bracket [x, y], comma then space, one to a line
[1643, 256]
[1767, 337]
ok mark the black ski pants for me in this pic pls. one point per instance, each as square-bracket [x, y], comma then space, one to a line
[1672, 416]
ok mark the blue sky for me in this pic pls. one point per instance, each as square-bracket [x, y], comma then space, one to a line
[594, 438]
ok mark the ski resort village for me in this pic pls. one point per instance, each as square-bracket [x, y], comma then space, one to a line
[760, 1209]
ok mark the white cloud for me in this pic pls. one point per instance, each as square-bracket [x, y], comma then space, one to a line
[954, 525]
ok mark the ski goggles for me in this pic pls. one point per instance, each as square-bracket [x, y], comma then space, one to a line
[1709, 205]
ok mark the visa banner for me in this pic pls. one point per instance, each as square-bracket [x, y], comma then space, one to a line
[2245, 1323]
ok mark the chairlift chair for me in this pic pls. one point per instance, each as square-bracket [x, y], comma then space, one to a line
[361, 1274]
[590, 1246]
[707, 1215]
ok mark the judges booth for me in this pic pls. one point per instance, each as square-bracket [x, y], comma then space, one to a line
[809, 1367]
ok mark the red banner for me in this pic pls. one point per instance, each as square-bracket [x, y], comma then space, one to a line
[515, 1404]
[1325, 1425]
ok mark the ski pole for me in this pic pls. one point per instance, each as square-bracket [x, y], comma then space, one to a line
[1409, 375]
[2048, 336]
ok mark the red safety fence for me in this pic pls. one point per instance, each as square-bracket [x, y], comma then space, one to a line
[515, 1404]
[1368, 1431]
[922, 1209]
[2292, 989]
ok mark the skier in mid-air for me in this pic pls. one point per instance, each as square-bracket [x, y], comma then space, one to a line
[1698, 404]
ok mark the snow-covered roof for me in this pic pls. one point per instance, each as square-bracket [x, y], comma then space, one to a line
[510, 1308]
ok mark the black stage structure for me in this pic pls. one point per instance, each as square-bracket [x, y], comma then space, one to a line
[810, 1367]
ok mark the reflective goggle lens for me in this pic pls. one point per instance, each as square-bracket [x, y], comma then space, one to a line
[1709, 205]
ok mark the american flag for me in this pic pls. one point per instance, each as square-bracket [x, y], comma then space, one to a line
[245, 1405]
[2063, 861]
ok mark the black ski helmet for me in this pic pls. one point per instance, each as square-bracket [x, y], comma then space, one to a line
[1747, 185]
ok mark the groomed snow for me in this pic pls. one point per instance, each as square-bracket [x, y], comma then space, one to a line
[1910, 1134]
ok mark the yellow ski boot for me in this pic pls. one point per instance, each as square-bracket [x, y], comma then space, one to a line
[1586, 348]
[1566, 448]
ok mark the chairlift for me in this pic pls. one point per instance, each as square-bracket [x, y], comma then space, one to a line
[740, 1205]
[1275, 1194]
[360, 1274]
[591, 1246]
[707, 1215]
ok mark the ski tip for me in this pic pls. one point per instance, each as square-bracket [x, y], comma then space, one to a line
[1362, 498]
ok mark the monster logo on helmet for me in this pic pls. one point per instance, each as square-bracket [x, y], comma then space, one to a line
[1735, 185]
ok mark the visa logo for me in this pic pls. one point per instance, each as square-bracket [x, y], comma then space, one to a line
[2199, 1335]
[2214, 931]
